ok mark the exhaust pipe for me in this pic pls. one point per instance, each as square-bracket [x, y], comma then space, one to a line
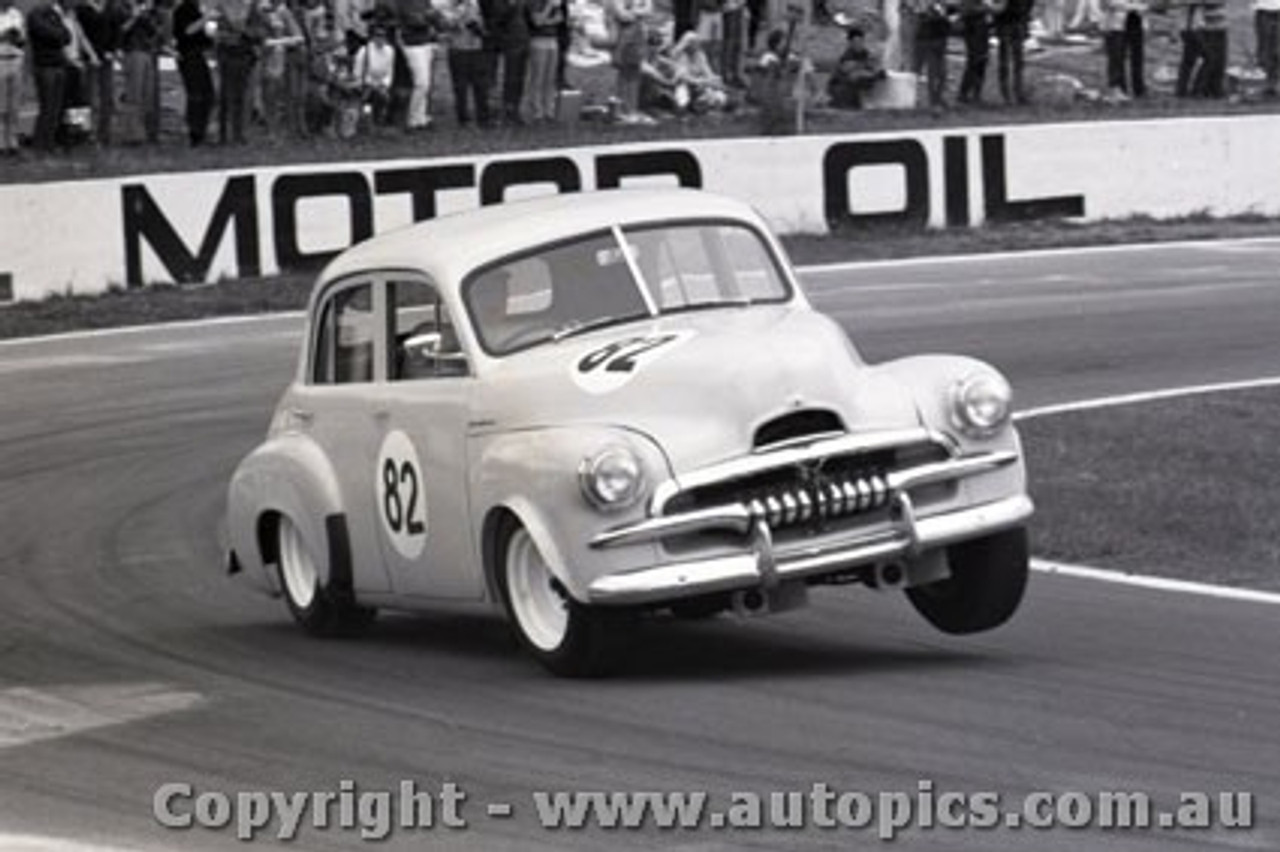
[750, 602]
[891, 575]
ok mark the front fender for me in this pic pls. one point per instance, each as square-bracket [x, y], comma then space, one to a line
[289, 475]
[533, 474]
[931, 380]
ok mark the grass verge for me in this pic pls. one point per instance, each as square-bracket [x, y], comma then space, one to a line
[1178, 488]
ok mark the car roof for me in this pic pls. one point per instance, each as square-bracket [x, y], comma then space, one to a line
[449, 246]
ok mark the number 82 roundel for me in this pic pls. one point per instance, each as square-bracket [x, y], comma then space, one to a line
[402, 501]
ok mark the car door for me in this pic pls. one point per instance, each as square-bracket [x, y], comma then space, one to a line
[336, 404]
[422, 415]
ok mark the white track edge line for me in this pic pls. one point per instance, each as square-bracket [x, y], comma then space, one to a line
[1148, 581]
[972, 257]
[1145, 396]
[177, 325]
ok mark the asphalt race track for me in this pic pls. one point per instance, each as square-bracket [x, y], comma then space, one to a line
[128, 661]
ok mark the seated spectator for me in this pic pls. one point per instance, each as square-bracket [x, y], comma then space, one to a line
[373, 70]
[856, 72]
[706, 88]
[660, 85]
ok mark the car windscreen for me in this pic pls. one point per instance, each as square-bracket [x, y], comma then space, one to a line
[697, 265]
[594, 281]
[555, 290]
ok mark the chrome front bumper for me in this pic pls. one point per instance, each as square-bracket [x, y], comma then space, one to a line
[762, 565]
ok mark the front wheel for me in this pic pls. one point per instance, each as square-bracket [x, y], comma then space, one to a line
[988, 578]
[316, 608]
[567, 637]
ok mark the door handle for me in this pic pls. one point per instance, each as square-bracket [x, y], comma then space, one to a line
[382, 415]
[302, 415]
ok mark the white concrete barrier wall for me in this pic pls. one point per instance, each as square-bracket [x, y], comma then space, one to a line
[203, 226]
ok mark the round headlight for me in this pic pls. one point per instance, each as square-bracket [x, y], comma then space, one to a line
[981, 404]
[612, 479]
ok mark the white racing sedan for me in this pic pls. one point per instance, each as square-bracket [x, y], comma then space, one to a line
[584, 407]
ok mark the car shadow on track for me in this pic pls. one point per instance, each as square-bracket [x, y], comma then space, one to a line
[654, 648]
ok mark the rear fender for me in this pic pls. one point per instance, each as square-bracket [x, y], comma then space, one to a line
[288, 475]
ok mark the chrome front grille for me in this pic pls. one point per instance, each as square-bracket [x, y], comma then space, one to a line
[806, 490]
[819, 499]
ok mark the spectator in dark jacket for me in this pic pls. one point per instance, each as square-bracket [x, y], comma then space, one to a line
[856, 72]
[101, 24]
[50, 36]
[511, 29]
[976, 25]
[469, 62]
[1011, 21]
[191, 33]
[933, 28]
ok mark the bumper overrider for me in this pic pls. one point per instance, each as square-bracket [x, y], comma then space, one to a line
[762, 565]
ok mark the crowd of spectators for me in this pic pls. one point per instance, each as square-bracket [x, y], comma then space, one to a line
[299, 68]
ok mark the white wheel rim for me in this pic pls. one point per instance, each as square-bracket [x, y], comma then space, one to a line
[539, 604]
[297, 568]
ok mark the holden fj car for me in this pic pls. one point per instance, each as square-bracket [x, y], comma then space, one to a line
[586, 407]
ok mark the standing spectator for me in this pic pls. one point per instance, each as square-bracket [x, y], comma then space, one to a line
[1214, 73]
[976, 27]
[50, 37]
[511, 24]
[1123, 24]
[238, 34]
[857, 71]
[545, 17]
[418, 26]
[469, 61]
[1011, 21]
[374, 69]
[735, 34]
[1266, 29]
[191, 33]
[629, 17]
[141, 38]
[13, 41]
[1204, 52]
[282, 39]
[100, 24]
[933, 28]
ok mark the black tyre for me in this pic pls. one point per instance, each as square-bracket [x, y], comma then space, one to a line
[316, 608]
[569, 638]
[988, 578]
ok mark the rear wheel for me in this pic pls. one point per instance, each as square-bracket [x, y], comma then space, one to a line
[988, 578]
[316, 608]
[567, 637]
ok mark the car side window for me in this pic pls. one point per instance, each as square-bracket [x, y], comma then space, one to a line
[344, 344]
[424, 338]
